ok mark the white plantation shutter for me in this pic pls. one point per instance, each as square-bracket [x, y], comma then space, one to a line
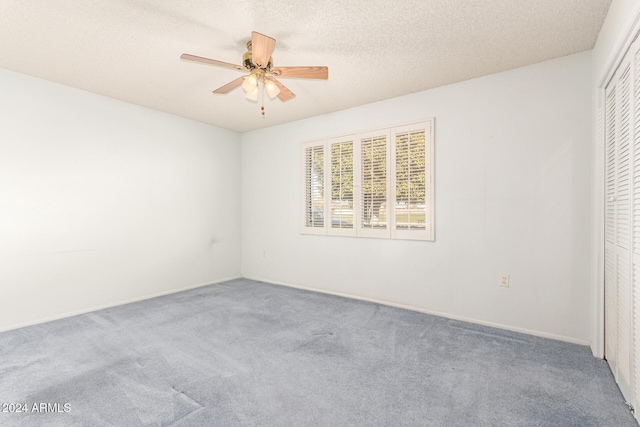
[374, 186]
[377, 183]
[342, 187]
[412, 203]
[313, 188]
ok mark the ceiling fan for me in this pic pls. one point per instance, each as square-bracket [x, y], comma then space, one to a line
[259, 63]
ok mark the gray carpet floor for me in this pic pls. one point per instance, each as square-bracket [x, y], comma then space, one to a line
[245, 353]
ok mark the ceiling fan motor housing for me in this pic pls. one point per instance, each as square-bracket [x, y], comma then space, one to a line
[247, 59]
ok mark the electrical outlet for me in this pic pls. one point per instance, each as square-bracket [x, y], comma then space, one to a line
[504, 280]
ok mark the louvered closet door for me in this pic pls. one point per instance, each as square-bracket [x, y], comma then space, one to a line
[623, 228]
[635, 208]
[620, 193]
[610, 281]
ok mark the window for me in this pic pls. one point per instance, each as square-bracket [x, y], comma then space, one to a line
[380, 183]
[412, 207]
[341, 204]
[374, 185]
[314, 188]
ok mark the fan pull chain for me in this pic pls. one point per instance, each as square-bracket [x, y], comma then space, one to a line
[262, 108]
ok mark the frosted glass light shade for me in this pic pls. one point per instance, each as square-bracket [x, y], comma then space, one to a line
[250, 83]
[272, 89]
[253, 95]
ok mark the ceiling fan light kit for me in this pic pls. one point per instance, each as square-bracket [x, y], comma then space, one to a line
[271, 88]
[258, 62]
[250, 83]
[252, 94]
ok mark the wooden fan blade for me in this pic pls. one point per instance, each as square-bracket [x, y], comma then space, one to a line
[285, 94]
[208, 61]
[230, 86]
[261, 49]
[302, 72]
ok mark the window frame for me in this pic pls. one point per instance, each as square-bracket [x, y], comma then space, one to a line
[391, 231]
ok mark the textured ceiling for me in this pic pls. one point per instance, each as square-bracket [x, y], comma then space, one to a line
[375, 49]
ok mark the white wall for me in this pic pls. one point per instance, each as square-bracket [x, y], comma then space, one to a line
[513, 157]
[103, 202]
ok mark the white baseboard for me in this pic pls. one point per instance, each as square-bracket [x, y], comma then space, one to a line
[121, 302]
[432, 312]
